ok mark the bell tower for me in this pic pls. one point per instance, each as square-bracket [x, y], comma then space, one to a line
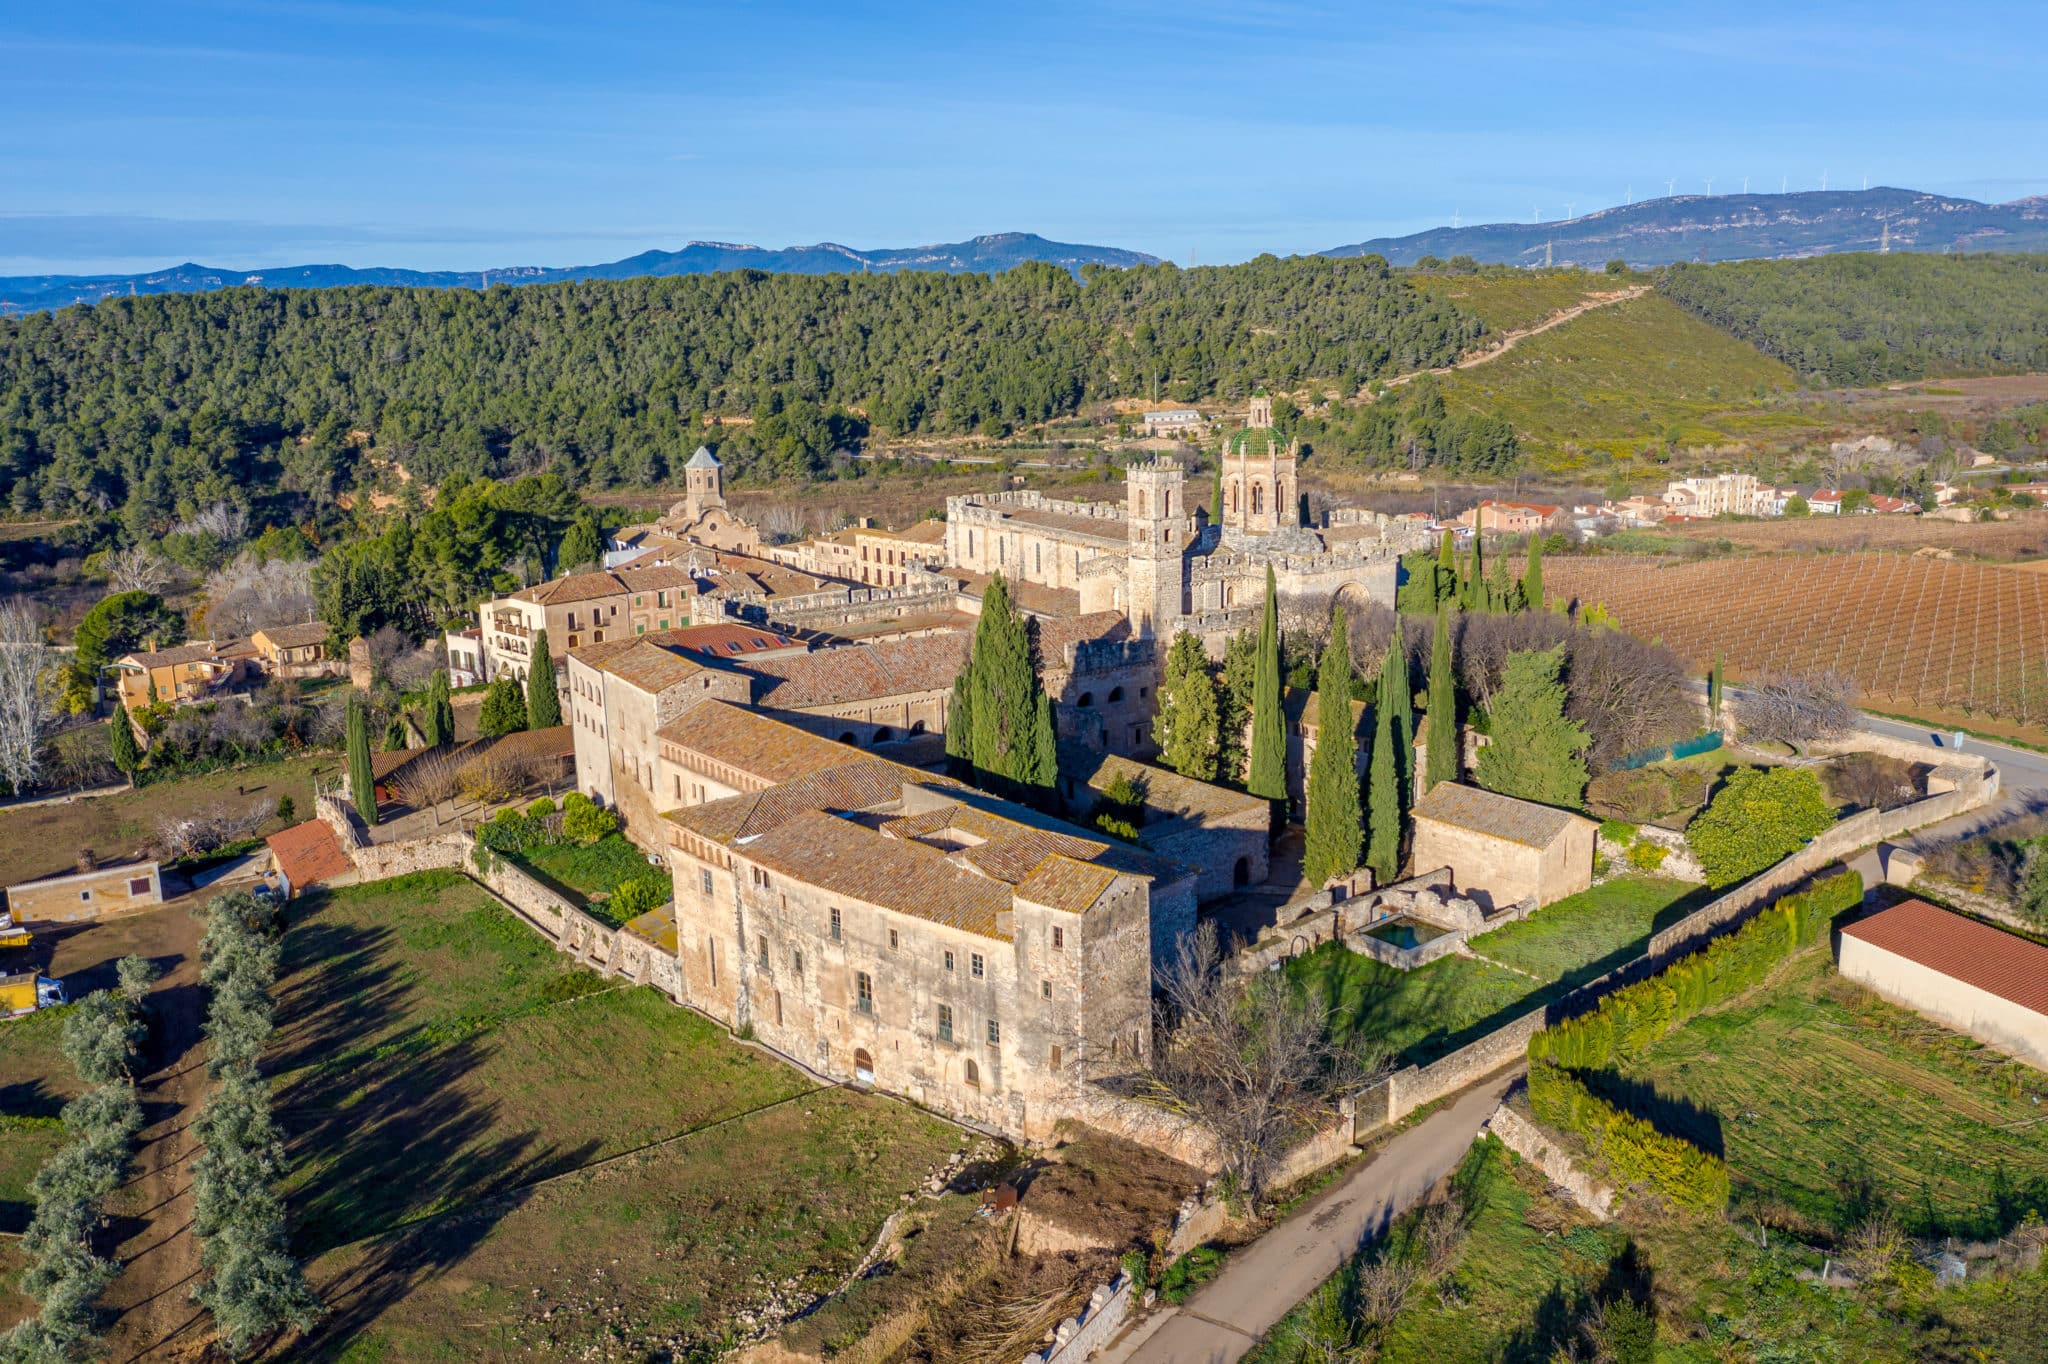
[1155, 514]
[703, 483]
[1259, 476]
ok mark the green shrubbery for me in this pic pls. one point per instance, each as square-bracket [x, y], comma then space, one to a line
[584, 820]
[1647, 856]
[1635, 1151]
[1760, 816]
[102, 1035]
[1632, 1019]
[254, 1286]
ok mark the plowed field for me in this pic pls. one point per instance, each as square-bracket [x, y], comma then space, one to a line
[1906, 629]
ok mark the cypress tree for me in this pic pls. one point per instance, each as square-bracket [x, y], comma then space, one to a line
[1269, 734]
[1009, 716]
[1714, 689]
[1187, 711]
[127, 753]
[1536, 750]
[1394, 674]
[1234, 706]
[1473, 597]
[543, 701]
[438, 723]
[1532, 575]
[1441, 760]
[1446, 568]
[362, 780]
[1501, 591]
[1335, 823]
[1383, 850]
[960, 719]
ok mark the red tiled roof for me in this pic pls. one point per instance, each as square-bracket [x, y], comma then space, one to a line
[1961, 948]
[309, 853]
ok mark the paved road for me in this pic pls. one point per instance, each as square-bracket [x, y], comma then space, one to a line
[1263, 1282]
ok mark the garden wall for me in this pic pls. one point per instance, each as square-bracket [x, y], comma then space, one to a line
[1528, 1141]
[1078, 1337]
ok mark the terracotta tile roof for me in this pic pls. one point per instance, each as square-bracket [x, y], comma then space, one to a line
[653, 579]
[1299, 707]
[858, 672]
[844, 858]
[309, 853]
[766, 748]
[202, 652]
[1056, 634]
[1961, 948]
[1029, 597]
[649, 666]
[1065, 883]
[295, 636]
[597, 655]
[926, 532]
[1068, 525]
[577, 587]
[858, 784]
[1489, 812]
[1168, 795]
[728, 641]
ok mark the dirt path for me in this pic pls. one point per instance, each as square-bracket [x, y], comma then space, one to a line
[152, 1213]
[1507, 341]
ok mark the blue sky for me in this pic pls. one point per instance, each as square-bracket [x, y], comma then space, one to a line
[471, 135]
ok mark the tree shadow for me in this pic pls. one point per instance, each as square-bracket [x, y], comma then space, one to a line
[1556, 1328]
[1668, 1113]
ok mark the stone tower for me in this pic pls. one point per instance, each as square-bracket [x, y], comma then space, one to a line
[1155, 512]
[1258, 477]
[704, 483]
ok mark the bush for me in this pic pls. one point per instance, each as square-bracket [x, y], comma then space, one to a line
[1635, 1151]
[1647, 856]
[634, 898]
[1189, 1272]
[1759, 817]
[540, 809]
[584, 821]
[1618, 831]
[1630, 1021]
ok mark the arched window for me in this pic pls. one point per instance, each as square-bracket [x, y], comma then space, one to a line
[1087, 700]
[972, 1073]
[883, 735]
[917, 726]
[847, 738]
[1116, 694]
[1258, 500]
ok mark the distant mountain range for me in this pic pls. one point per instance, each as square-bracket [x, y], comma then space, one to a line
[1718, 227]
[997, 252]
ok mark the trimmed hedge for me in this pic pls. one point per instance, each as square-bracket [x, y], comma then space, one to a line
[1635, 1152]
[1633, 1018]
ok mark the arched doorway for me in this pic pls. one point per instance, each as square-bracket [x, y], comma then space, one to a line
[847, 738]
[884, 735]
[863, 1066]
[1241, 874]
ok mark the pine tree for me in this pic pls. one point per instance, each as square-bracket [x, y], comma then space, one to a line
[362, 778]
[580, 546]
[1335, 823]
[1532, 575]
[1269, 732]
[438, 721]
[127, 754]
[1383, 852]
[543, 701]
[1536, 753]
[1234, 706]
[1446, 568]
[1441, 759]
[1187, 710]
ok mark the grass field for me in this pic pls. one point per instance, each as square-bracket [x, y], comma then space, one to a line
[1510, 300]
[35, 1083]
[44, 840]
[595, 870]
[1625, 377]
[1830, 1104]
[1438, 1008]
[435, 1059]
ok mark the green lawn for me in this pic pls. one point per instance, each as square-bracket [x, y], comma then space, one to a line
[434, 1056]
[1830, 1103]
[36, 1081]
[1423, 1014]
[1587, 935]
[593, 870]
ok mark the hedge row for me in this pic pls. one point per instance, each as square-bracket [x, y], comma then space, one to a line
[1635, 1151]
[103, 1034]
[254, 1286]
[1632, 1019]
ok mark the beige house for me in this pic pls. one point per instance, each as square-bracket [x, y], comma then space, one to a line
[1958, 971]
[582, 608]
[91, 892]
[293, 650]
[190, 672]
[892, 928]
[1509, 849]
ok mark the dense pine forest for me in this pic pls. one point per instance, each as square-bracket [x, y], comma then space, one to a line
[152, 405]
[1869, 319]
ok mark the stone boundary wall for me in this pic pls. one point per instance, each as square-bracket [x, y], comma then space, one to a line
[1528, 1141]
[66, 797]
[1078, 1337]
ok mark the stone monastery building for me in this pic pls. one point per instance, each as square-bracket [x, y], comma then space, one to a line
[1151, 559]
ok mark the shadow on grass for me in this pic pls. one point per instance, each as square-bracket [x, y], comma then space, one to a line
[1562, 1326]
[1668, 1113]
[382, 1126]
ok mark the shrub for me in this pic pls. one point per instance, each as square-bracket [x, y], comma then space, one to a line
[584, 821]
[637, 897]
[1647, 856]
[541, 808]
[1635, 1151]
[1618, 831]
[1189, 1272]
[1759, 817]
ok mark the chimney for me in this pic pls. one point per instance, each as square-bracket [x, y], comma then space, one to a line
[87, 861]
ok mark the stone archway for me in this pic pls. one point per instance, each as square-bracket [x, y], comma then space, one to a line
[863, 1066]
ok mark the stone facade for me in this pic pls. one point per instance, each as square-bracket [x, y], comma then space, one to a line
[1502, 848]
[1528, 1141]
[95, 893]
[1224, 834]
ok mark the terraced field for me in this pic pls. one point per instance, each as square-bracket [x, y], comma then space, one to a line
[1909, 631]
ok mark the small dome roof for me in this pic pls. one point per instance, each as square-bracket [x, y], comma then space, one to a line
[1254, 440]
[703, 459]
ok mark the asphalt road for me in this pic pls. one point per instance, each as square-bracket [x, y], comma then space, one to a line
[1261, 1283]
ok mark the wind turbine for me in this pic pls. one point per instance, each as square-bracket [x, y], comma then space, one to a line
[1629, 195]
[1670, 188]
[1569, 205]
[1823, 180]
[1745, 184]
[1866, 179]
[1454, 218]
[1783, 181]
[1710, 186]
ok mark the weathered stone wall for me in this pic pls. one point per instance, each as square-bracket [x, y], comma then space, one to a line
[1078, 1337]
[1528, 1141]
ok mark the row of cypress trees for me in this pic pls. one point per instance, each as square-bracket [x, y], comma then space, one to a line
[103, 1036]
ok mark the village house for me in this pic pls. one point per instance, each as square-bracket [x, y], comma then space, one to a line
[1958, 971]
[579, 609]
[189, 672]
[91, 891]
[1173, 421]
[293, 650]
[1715, 495]
[1500, 849]
[1510, 518]
[896, 929]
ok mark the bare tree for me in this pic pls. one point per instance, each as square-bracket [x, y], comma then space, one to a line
[1250, 1058]
[201, 831]
[135, 569]
[224, 521]
[246, 594]
[1796, 708]
[781, 522]
[28, 711]
[1628, 693]
[428, 780]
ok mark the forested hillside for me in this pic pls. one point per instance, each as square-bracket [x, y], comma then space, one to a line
[158, 404]
[1869, 319]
